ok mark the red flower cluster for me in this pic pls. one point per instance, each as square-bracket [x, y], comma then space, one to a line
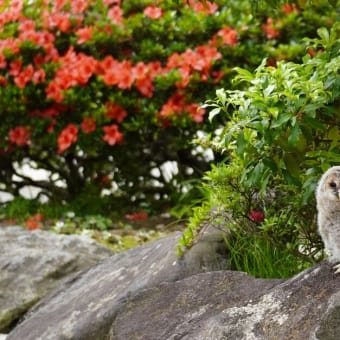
[116, 15]
[34, 223]
[114, 111]
[269, 29]
[203, 7]
[23, 76]
[112, 135]
[50, 112]
[77, 69]
[84, 34]
[67, 137]
[123, 74]
[137, 216]
[153, 12]
[117, 73]
[225, 36]
[177, 105]
[19, 136]
[199, 60]
[290, 8]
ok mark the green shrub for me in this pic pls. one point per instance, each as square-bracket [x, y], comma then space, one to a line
[280, 134]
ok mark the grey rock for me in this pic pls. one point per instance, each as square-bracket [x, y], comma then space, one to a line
[187, 309]
[86, 306]
[234, 306]
[34, 262]
[149, 293]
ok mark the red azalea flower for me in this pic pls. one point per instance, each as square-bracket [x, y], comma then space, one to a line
[54, 91]
[24, 76]
[79, 6]
[199, 7]
[19, 136]
[32, 224]
[3, 81]
[84, 34]
[225, 36]
[116, 15]
[67, 137]
[153, 12]
[88, 125]
[114, 111]
[112, 135]
[269, 29]
[145, 87]
[15, 67]
[289, 8]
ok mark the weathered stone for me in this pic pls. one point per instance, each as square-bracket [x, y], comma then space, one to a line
[34, 262]
[234, 306]
[148, 293]
[86, 306]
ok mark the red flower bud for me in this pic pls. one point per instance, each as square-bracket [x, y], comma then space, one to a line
[256, 216]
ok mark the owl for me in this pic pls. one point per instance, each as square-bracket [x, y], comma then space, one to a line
[328, 206]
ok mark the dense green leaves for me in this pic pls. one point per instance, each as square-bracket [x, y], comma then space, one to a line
[286, 113]
[279, 134]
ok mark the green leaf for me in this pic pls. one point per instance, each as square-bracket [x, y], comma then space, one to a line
[214, 113]
[243, 75]
[324, 35]
[313, 123]
[268, 90]
[270, 163]
[294, 136]
[292, 166]
[240, 144]
[221, 96]
[282, 119]
[333, 133]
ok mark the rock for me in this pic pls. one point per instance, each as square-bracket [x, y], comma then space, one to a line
[148, 293]
[86, 306]
[34, 262]
[187, 309]
[234, 306]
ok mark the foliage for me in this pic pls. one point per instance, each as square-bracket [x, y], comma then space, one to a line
[302, 3]
[102, 93]
[285, 124]
[280, 134]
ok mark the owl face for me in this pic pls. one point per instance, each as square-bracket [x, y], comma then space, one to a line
[329, 185]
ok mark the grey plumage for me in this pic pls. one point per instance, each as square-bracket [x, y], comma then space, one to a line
[328, 205]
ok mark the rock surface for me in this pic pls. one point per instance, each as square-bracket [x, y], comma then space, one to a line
[34, 262]
[235, 306]
[148, 293]
[86, 306]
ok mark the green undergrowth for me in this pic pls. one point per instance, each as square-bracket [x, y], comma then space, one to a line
[271, 235]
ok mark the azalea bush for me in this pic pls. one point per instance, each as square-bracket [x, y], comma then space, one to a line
[280, 134]
[102, 93]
